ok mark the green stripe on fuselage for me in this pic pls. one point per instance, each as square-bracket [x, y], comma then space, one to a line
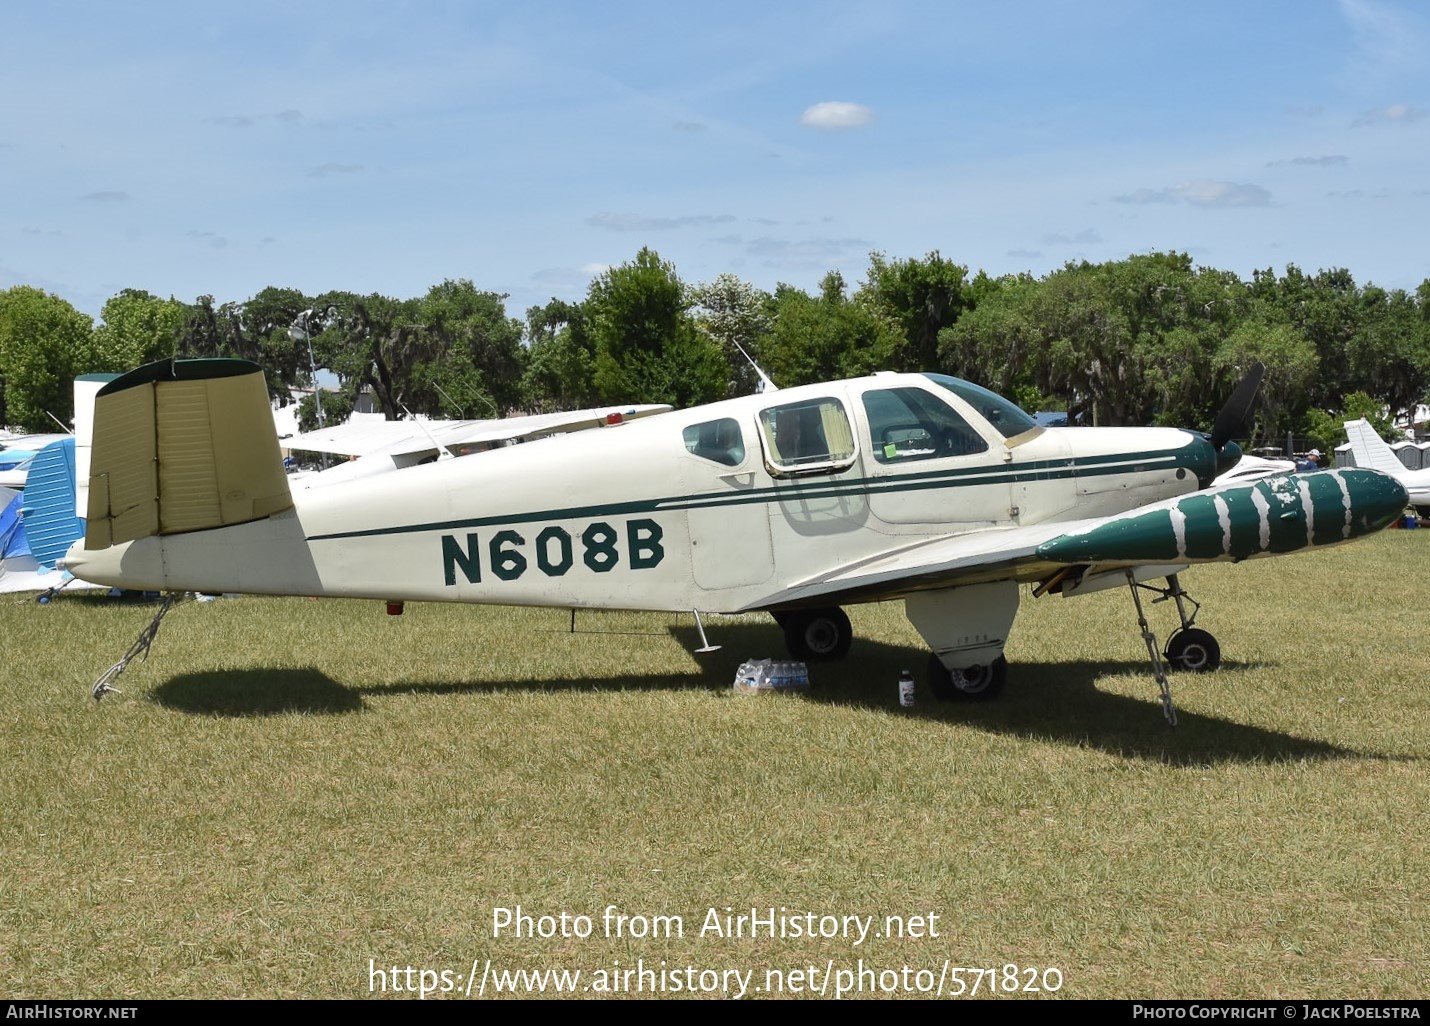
[797, 490]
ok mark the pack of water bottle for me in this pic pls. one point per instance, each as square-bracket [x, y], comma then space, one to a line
[771, 675]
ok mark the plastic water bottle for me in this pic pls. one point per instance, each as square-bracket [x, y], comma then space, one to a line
[906, 689]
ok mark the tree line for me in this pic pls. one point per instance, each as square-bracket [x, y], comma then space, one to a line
[1150, 339]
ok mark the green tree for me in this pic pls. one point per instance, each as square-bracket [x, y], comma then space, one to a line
[377, 343]
[1291, 373]
[736, 316]
[264, 326]
[647, 348]
[44, 342]
[477, 359]
[1323, 310]
[1000, 343]
[561, 361]
[1389, 352]
[200, 332]
[337, 407]
[923, 297]
[137, 328]
[819, 338]
[259, 329]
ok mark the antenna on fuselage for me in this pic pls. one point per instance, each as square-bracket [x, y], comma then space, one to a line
[443, 453]
[766, 385]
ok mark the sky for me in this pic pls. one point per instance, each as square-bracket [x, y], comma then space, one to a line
[219, 148]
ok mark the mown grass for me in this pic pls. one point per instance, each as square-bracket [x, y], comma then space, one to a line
[289, 789]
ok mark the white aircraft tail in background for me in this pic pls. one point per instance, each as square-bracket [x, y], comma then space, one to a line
[1371, 451]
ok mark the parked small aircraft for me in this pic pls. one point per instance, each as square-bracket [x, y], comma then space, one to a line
[38, 525]
[17, 452]
[918, 487]
[1371, 451]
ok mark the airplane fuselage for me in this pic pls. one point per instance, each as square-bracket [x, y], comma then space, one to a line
[716, 508]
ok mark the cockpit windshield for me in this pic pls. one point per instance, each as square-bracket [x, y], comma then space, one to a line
[1005, 418]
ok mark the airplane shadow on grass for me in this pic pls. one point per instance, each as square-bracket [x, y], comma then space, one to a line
[257, 692]
[1058, 702]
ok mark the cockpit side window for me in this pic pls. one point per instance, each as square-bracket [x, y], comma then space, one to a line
[1004, 417]
[910, 424]
[718, 440]
[807, 437]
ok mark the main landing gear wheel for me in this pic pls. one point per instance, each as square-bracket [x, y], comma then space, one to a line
[973, 684]
[1194, 650]
[817, 635]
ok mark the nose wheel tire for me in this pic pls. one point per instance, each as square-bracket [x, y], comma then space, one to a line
[817, 635]
[1193, 650]
[972, 684]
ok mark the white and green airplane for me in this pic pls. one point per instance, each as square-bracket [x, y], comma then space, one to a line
[917, 487]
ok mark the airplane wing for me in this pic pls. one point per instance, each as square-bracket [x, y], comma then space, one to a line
[371, 434]
[539, 425]
[1220, 524]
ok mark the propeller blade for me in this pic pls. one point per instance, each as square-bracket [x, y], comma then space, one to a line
[1233, 415]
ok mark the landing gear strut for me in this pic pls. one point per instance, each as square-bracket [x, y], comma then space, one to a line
[1189, 647]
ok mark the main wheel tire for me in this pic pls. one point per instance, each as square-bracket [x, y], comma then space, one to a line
[1193, 650]
[973, 684]
[818, 635]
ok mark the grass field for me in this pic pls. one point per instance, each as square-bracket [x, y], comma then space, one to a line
[291, 794]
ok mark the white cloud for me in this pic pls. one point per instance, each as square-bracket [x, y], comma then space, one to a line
[1145, 196]
[1202, 193]
[1327, 161]
[801, 250]
[836, 115]
[637, 223]
[1087, 235]
[1395, 114]
[290, 117]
